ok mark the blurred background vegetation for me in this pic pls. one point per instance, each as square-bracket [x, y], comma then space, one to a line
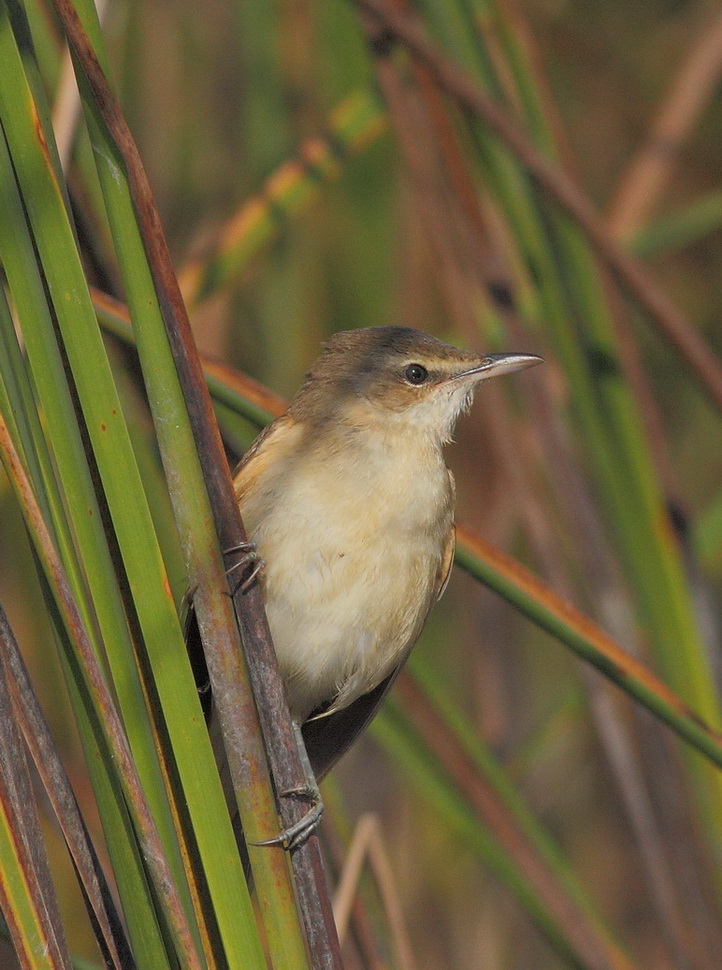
[307, 185]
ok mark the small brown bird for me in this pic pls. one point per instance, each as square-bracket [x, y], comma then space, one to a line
[351, 508]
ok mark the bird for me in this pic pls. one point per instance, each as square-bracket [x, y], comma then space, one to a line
[349, 506]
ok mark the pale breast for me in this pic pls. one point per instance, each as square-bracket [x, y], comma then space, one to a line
[353, 547]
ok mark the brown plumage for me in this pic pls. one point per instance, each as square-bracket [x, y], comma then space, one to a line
[351, 507]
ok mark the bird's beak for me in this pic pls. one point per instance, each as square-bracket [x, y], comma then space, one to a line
[494, 365]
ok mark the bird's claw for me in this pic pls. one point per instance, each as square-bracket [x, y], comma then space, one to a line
[186, 602]
[250, 556]
[295, 835]
[250, 579]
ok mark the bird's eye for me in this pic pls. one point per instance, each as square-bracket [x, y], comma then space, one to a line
[416, 374]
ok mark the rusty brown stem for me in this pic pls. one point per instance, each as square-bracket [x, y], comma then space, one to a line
[627, 272]
[108, 927]
[20, 817]
[222, 656]
[114, 733]
[598, 952]
[651, 169]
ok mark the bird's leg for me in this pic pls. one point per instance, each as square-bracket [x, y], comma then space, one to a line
[250, 555]
[297, 833]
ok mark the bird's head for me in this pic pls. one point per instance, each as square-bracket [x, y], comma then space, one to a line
[398, 377]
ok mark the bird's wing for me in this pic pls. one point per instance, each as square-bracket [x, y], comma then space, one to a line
[264, 450]
[327, 739]
[447, 561]
[447, 558]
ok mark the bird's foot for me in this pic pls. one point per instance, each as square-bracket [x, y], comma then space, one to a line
[296, 834]
[250, 557]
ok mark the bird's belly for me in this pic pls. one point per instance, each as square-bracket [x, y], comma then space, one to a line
[347, 592]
